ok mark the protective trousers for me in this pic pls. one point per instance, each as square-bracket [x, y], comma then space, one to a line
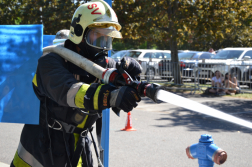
[36, 150]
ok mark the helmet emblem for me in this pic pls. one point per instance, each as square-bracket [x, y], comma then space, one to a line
[76, 20]
[78, 30]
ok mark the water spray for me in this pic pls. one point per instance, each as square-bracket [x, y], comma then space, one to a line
[119, 77]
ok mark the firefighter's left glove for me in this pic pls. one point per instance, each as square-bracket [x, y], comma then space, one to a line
[131, 66]
[124, 98]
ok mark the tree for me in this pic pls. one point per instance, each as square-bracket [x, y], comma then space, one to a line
[165, 24]
[225, 23]
[177, 22]
[9, 11]
[53, 14]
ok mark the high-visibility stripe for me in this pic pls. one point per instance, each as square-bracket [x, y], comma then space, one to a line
[34, 80]
[18, 162]
[81, 125]
[24, 159]
[76, 137]
[83, 122]
[96, 97]
[72, 93]
[79, 97]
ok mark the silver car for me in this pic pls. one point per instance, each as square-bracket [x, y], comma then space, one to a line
[119, 55]
[147, 58]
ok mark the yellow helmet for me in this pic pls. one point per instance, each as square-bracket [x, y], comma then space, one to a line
[96, 15]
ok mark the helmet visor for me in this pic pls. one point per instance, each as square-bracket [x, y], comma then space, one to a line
[99, 40]
[110, 31]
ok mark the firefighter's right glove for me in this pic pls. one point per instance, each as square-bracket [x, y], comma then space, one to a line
[97, 97]
[124, 98]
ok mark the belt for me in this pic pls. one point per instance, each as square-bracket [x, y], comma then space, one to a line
[59, 125]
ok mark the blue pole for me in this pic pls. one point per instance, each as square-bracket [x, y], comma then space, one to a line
[105, 136]
[105, 125]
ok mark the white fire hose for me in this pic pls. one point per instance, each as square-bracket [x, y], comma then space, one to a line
[148, 90]
[76, 59]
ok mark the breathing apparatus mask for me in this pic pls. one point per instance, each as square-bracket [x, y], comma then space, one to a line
[97, 41]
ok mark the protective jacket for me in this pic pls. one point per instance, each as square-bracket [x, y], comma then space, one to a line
[61, 87]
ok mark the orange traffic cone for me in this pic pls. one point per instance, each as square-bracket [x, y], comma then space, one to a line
[128, 126]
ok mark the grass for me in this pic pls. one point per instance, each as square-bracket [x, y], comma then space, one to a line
[242, 95]
[187, 89]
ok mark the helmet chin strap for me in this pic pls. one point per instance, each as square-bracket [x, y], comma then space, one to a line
[104, 51]
[88, 51]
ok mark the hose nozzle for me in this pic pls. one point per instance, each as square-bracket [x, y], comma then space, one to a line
[147, 89]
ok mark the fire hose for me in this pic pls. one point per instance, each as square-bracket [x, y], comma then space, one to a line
[119, 77]
[116, 76]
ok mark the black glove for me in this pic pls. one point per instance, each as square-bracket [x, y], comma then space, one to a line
[97, 97]
[131, 66]
[124, 98]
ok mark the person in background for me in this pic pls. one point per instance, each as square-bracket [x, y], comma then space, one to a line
[61, 36]
[231, 82]
[211, 50]
[217, 84]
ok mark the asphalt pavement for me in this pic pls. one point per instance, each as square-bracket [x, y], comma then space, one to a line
[163, 131]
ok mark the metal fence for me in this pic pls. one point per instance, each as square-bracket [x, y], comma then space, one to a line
[196, 76]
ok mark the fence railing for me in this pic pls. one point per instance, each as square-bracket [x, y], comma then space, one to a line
[197, 75]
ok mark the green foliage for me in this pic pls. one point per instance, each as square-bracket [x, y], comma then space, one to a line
[162, 24]
[53, 14]
[194, 24]
[187, 24]
[18, 20]
[125, 44]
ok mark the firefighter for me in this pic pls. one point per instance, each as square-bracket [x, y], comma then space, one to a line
[71, 99]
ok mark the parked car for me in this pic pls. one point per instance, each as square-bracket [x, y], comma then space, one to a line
[188, 60]
[119, 55]
[187, 65]
[233, 60]
[247, 77]
[147, 58]
[113, 51]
